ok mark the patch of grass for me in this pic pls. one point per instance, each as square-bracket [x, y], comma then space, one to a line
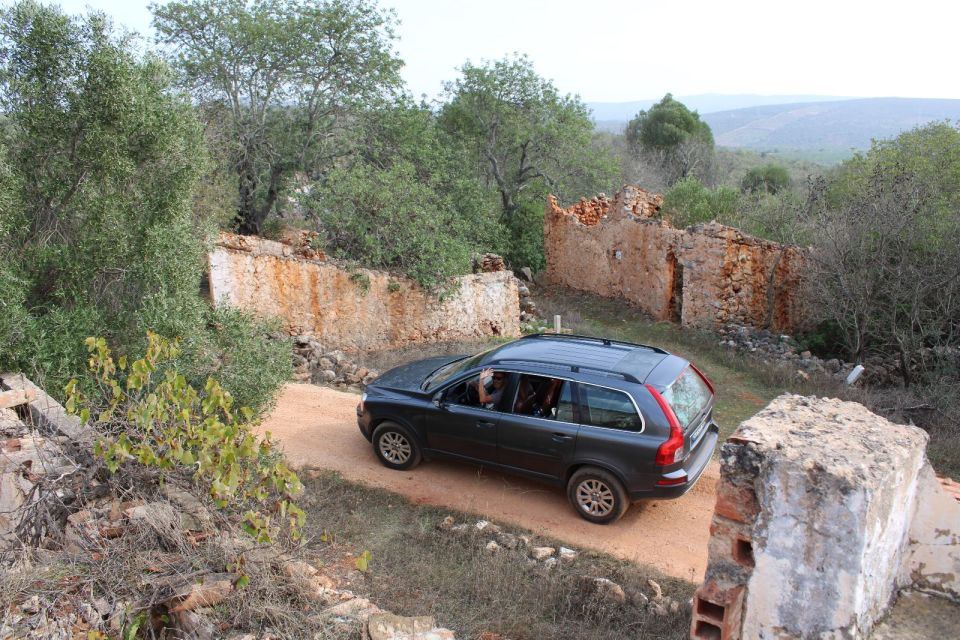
[417, 569]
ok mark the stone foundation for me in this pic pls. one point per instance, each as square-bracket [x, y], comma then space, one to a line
[824, 511]
[707, 275]
[358, 309]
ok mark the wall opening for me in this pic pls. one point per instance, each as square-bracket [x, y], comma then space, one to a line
[743, 552]
[706, 631]
[708, 609]
[675, 308]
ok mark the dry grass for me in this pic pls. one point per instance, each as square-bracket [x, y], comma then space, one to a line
[417, 569]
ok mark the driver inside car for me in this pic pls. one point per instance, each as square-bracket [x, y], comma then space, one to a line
[497, 381]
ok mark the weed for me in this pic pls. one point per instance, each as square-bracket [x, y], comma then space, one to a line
[361, 280]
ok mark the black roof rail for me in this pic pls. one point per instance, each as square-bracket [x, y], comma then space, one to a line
[573, 368]
[605, 341]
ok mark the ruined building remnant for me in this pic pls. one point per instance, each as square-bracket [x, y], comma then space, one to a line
[705, 276]
[356, 309]
[824, 511]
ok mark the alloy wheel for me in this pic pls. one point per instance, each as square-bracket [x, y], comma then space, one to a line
[395, 448]
[595, 497]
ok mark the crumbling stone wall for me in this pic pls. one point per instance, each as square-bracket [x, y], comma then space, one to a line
[355, 309]
[706, 275]
[824, 510]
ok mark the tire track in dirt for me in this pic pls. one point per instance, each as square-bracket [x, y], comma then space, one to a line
[317, 427]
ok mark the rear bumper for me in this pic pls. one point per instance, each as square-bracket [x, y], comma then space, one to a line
[678, 482]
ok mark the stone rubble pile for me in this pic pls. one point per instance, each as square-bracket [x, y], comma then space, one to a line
[489, 263]
[528, 308]
[317, 364]
[785, 350]
[494, 539]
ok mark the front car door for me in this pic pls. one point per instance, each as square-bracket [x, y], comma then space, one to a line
[460, 425]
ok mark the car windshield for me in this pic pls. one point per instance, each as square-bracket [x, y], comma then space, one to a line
[687, 396]
[450, 370]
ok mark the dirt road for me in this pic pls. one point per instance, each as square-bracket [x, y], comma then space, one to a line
[317, 427]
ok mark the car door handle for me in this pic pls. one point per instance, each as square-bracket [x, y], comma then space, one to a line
[482, 424]
[561, 437]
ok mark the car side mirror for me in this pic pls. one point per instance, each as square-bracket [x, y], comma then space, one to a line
[439, 402]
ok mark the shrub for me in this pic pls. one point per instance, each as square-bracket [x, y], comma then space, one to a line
[149, 413]
[688, 202]
[767, 179]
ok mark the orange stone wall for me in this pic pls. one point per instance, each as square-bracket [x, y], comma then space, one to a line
[313, 296]
[702, 276]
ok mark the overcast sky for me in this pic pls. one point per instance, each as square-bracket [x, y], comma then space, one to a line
[618, 51]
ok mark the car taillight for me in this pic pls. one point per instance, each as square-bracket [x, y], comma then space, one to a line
[671, 451]
[363, 398]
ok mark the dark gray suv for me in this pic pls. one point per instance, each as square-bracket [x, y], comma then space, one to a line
[611, 421]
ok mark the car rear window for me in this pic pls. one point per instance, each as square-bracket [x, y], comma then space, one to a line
[609, 408]
[687, 396]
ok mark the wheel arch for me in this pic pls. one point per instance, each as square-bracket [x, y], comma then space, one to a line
[577, 466]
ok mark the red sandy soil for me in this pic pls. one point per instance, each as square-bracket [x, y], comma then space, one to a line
[317, 427]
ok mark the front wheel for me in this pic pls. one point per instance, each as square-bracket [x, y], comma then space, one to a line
[396, 446]
[597, 495]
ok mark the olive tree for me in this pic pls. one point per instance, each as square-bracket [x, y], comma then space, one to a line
[525, 140]
[284, 77]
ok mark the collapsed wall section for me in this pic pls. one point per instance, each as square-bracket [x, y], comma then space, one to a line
[824, 510]
[358, 309]
[705, 276]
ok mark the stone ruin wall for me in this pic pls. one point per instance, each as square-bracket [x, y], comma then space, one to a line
[824, 512]
[705, 276]
[360, 309]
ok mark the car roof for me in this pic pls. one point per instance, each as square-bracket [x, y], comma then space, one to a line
[633, 362]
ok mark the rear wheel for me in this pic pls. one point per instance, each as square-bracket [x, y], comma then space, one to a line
[396, 446]
[597, 495]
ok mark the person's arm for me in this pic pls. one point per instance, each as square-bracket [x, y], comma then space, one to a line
[485, 398]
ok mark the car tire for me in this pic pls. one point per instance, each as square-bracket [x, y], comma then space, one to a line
[597, 495]
[395, 446]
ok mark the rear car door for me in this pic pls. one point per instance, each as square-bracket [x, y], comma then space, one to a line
[537, 432]
[613, 434]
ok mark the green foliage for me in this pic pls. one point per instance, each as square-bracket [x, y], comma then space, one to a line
[288, 74]
[403, 201]
[667, 125]
[523, 136]
[688, 202]
[771, 178]
[97, 234]
[151, 415]
[246, 354]
[525, 246]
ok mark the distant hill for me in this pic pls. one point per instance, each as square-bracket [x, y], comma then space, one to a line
[613, 116]
[805, 124]
[845, 124]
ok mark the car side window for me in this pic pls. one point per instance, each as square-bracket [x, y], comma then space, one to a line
[542, 397]
[463, 393]
[602, 407]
